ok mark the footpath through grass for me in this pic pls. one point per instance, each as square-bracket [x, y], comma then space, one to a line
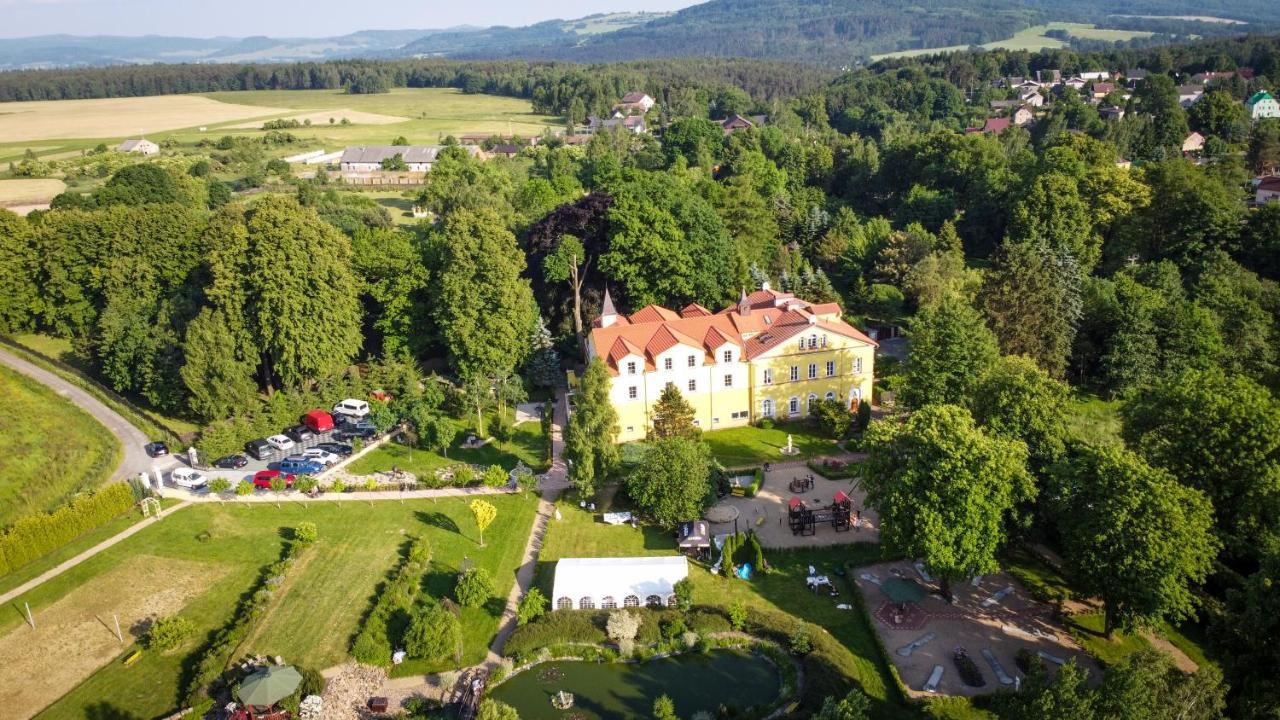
[311, 623]
[49, 448]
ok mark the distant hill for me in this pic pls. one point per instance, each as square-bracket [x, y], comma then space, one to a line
[828, 32]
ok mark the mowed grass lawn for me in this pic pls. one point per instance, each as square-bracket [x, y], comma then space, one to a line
[49, 448]
[526, 445]
[313, 619]
[750, 445]
[581, 533]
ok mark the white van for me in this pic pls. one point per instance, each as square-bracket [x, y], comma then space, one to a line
[351, 408]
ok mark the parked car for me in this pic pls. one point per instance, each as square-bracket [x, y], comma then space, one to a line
[349, 432]
[280, 442]
[299, 433]
[260, 449]
[318, 420]
[189, 478]
[156, 449]
[300, 466]
[336, 448]
[231, 462]
[324, 457]
[351, 408]
[262, 479]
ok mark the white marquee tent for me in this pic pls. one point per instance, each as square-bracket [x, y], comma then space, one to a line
[606, 583]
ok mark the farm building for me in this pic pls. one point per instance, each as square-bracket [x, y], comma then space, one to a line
[634, 102]
[607, 583]
[419, 158]
[141, 146]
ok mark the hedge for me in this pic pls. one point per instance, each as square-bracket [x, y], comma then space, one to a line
[32, 536]
[384, 626]
[216, 655]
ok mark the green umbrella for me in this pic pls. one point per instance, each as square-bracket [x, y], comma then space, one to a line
[269, 685]
[902, 590]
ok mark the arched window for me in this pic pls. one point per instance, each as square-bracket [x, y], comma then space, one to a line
[586, 603]
[564, 603]
[766, 408]
[608, 603]
[831, 395]
[631, 601]
[653, 601]
[812, 399]
[672, 601]
[794, 406]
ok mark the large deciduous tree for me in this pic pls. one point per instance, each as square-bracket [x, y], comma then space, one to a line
[19, 294]
[593, 429]
[943, 489]
[1132, 535]
[951, 348]
[1247, 631]
[673, 481]
[1018, 399]
[1219, 434]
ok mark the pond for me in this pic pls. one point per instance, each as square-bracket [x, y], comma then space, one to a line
[694, 681]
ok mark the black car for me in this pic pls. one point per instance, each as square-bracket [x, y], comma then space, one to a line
[156, 449]
[335, 447]
[349, 432]
[231, 462]
[299, 433]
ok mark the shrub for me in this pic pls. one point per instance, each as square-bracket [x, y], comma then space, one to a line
[765, 424]
[166, 634]
[557, 628]
[1025, 660]
[832, 418]
[34, 535]
[463, 475]
[684, 594]
[373, 643]
[434, 633]
[338, 486]
[532, 606]
[306, 533]
[968, 669]
[738, 614]
[623, 625]
[799, 642]
[474, 587]
[494, 476]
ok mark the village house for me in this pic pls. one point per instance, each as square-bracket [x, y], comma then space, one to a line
[1095, 75]
[1134, 76]
[1032, 98]
[1049, 77]
[631, 123]
[1267, 190]
[1111, 112]
[635, 102]
[772, 355]
[1192, 143]
[141, 146]
[1023, 116]
[736, 122]
[1262, 105]
[418, 158]
[1189, 95]
[1075, 82]
[1102, 89]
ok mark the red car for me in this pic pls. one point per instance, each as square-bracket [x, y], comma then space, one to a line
[262, 479]
[318, 420]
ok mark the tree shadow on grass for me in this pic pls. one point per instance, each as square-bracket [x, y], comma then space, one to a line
[107, 711]
[439, 520]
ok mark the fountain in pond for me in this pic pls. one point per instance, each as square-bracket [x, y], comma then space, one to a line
[562, 700]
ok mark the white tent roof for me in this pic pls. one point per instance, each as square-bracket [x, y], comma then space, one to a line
[596, 578]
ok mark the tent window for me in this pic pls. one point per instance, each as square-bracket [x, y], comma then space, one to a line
[586, 603]
[564, 603]
[653, 601]
[631, 601]
[608, 603]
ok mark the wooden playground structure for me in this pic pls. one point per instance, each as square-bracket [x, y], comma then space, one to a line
[804, 520]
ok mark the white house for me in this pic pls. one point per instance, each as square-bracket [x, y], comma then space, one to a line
[141, 145]
[1095, 75]
[419, 158]
[607, 583]
[1032, 98]
[1189, 94]
[1262, 105]
[1193, 143]
[1268, 190]
[633, 101]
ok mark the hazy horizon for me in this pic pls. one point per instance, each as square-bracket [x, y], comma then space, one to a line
[315, 18]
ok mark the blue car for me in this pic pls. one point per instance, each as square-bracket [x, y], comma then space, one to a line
[300, 467]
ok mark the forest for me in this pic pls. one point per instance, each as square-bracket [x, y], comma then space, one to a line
[1026, 268]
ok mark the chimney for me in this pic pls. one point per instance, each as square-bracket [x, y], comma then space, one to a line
[765, 285]
[608, 314]
[744, 307]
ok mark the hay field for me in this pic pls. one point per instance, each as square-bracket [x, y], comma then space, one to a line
[321, 117]
[24, 191]
[117, 117]
[75, 636]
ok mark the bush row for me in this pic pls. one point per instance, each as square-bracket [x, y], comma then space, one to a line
[217, 654]
[388, 618]
[34, 535]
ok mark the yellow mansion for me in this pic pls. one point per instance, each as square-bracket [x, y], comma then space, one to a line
[770, 356]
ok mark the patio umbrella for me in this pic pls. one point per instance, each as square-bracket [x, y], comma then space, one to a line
[269, 685]
[902, 590]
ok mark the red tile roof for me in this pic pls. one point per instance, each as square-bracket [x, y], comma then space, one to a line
[694, 310]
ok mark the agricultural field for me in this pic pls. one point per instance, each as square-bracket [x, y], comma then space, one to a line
[1032, 39]
[212, 553]
[49, 448]
[27, 192]
[422, 115]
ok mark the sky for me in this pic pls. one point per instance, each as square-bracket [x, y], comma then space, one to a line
[288, 18]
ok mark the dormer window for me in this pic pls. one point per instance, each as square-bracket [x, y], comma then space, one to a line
[728, 356]
[667, 364]
[693, 361]
[813, 342]
[824, 341]
[631, 368]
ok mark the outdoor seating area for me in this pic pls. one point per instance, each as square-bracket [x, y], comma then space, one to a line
[967, 647]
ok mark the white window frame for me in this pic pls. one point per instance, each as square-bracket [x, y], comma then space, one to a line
[857, 365]
[766, 408]
[793, 406]
[631, 368]
[813, 371]
[693, 385]
[728, 356]
[633, 392]
[813, 398]
[693, 361]
[728, 380]
[795, 373]
[667, 364]
[831, 368]
[768, 376]
[830, 395]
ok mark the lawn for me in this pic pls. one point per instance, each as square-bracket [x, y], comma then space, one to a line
[1094, 420]
[579, 533]
[312, 621]
[49, 448]
[526, 445]
[750, 445]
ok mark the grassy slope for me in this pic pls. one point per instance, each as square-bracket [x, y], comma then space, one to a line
[1033, 39]
[316, 617]
[579, 534]
[49, 448]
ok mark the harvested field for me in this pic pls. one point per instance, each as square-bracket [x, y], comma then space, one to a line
[117, 117]
[75, 635]
[28, 192]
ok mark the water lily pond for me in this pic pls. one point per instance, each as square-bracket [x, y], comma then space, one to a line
[604, 691]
